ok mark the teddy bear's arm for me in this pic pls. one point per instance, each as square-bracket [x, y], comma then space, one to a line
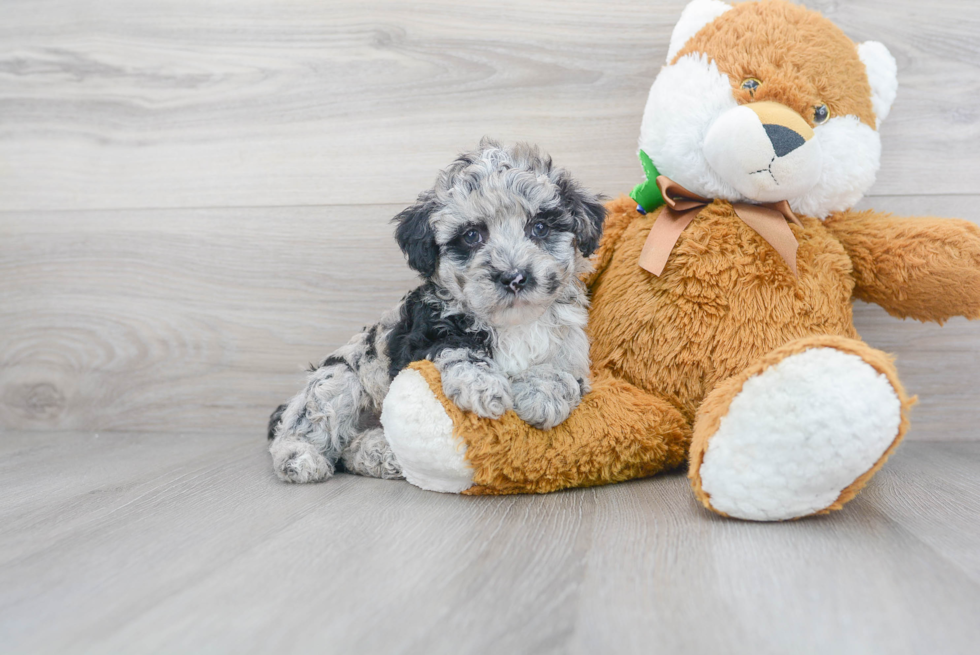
[924, 268]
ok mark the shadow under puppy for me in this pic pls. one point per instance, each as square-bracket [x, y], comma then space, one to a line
[501, 242]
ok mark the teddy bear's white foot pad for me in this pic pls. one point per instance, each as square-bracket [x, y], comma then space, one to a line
[798, 434]
[420, 433]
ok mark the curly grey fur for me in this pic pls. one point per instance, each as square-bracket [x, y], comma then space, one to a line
[474, 383]
[340, 403]
[501, 240]
[544, 396]
[368, 454]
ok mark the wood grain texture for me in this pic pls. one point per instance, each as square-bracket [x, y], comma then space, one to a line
[189, 103]
[188, 320]
[203, 319]
[167, 543]
[199, 320]
[195, 320]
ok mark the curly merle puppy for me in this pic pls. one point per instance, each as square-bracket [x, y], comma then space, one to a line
[501, 241]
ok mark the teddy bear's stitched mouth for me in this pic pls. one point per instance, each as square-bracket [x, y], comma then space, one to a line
[768, 169]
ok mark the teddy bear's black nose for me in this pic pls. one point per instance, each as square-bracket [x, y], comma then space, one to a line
[783, 139]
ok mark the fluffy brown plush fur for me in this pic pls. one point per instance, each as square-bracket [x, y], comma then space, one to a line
[726, 299]
[922, 267]
[670, 352]
[671, 349]
[618, 433]
[792, 49]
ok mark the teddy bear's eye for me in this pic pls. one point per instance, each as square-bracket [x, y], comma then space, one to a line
[751, 85]
[820, 114]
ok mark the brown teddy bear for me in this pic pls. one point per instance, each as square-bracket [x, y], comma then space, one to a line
[721, 319]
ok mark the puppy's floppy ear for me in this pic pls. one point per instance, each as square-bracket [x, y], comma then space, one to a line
[415, 236]
[586, 209]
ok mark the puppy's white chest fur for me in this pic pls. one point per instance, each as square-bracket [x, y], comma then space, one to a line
[550, 338]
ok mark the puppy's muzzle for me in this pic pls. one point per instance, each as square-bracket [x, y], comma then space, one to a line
[515, 281]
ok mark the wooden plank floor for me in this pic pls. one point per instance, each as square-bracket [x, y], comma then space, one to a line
[135, 543]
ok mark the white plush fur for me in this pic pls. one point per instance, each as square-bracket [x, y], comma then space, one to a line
[851, 158]
[738, 149]
[420, 434]
[882, 75]
[696, 15]
[559, 332]
[686, 100]
[798, 434]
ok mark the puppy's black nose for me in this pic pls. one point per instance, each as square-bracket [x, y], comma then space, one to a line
[514, 280]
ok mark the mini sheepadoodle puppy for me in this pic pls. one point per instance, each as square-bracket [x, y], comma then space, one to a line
[501, 242]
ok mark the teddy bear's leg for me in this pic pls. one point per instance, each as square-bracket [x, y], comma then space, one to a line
[798, 432]
[421, 434]
[617, 432]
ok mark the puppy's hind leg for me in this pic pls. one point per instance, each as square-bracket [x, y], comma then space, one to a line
[317, 424]
[274, 419]
[369, 454]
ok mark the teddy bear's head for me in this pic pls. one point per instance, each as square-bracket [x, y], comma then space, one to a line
[768, 101]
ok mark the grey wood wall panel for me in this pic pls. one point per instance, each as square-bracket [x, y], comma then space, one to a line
[202, 319]
[132, 543]
[189, 103]
[275, 114]
[182, 320]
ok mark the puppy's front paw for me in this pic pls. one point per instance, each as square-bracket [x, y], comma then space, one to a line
[475, 389]
[299, 461]
[545, 398]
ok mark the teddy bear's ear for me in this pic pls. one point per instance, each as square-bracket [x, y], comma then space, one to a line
[696, 15]
[882, 75]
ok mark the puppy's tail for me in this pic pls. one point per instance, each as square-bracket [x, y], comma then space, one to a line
[274, 420]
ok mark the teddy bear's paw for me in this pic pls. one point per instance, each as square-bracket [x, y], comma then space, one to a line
[797, 435]
[420, 433]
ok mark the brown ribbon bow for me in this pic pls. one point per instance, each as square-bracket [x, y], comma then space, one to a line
[769, 220]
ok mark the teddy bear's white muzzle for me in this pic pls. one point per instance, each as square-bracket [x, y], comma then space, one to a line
[765, 150]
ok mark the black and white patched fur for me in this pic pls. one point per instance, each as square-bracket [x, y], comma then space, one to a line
[501, 242]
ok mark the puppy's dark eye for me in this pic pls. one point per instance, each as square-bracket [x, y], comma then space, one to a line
[540, 230]
[820, 114]
[472, 237]
[750, 85]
